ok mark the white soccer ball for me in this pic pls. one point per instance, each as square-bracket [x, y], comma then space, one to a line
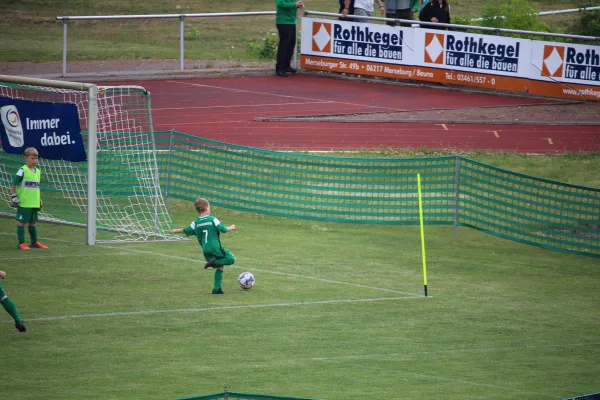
[246, 280]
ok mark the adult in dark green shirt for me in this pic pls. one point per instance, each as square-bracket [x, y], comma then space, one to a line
[285, 18]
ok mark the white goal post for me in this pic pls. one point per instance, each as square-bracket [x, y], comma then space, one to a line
[116, 193]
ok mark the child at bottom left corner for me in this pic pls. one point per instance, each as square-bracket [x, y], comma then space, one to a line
[10, 307]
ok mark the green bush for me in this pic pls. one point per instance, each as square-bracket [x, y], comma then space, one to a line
[265, 48]
[589, 23]
[512, 14]
[192, 33]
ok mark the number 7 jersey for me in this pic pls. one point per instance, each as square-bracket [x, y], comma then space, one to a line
[207, 230]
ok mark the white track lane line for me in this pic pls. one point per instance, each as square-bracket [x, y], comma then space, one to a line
[283, 95]
[218, 308]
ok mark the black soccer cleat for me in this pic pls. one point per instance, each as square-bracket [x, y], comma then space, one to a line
[20, 326]
[211, 263]
[218, 291]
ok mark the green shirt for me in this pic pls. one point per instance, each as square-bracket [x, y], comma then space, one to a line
[207, 230]
[286, 11]
[28, 186]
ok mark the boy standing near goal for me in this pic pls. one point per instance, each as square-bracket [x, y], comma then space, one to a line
[10, 307]
[25, 198]
[207, 229]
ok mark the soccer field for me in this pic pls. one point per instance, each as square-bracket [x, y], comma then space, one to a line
[337, 313]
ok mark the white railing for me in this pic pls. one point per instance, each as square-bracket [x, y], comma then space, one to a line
[181, 17]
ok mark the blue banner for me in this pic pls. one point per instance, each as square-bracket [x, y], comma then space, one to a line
[52, 128]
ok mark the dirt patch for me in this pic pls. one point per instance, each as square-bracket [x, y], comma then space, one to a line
[559, 113]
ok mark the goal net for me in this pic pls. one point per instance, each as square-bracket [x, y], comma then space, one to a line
[113, 189]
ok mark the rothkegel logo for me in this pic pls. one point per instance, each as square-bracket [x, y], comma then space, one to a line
[474, 52]
[434, 48]
[553, 63]
[12, 125]
[582, 64]
[321, 37]
[361, 41]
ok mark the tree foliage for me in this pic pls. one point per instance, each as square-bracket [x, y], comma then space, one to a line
[589, 22]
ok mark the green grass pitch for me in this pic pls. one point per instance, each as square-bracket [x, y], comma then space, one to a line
[337, 313]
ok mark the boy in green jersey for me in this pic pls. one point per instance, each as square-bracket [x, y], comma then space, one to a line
[207, 230]
[10, 307]
[25, 198]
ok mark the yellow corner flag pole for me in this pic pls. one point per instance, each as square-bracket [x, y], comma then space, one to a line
[422, 234]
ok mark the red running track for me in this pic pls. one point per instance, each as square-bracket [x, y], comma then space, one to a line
[224, 109]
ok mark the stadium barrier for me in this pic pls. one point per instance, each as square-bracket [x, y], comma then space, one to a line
[455, 57]
[456, 191]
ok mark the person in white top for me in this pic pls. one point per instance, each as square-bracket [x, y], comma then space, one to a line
[365, 8]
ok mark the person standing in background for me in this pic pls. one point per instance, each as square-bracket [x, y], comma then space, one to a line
[365, 8]
[400, 9]
[285, 19]
[435, 11]
[346, 8]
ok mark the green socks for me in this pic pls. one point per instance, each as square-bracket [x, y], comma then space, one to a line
[33, 234]
[21, 233]
[218, 279]
[10, 308]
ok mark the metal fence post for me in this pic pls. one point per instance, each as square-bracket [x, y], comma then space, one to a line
[169, 169]
[296, 45]
[456, 195]
[64, 60]
[225, 393]
[181, 42]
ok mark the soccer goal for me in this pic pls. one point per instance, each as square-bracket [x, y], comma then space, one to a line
[97, 156]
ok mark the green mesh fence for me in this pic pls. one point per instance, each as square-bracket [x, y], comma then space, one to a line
[455, 191]
[381, 191]
[529, 210]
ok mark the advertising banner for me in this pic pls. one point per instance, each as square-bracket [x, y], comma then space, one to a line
[52, 128]
[569, 64]
[357, 41]
[460, 58]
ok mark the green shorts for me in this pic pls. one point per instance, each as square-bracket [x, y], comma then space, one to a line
[223, 258]
[27, 215]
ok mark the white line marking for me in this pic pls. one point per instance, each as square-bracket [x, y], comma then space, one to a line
[240, 105]
[484, 349]
[463, 381]
[120, 247]
[283, 95]
[443, 378]
[28, 257]
[202, 123]
[201, 309]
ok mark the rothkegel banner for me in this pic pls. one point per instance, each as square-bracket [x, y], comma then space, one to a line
[52, 128]
[452, 57]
